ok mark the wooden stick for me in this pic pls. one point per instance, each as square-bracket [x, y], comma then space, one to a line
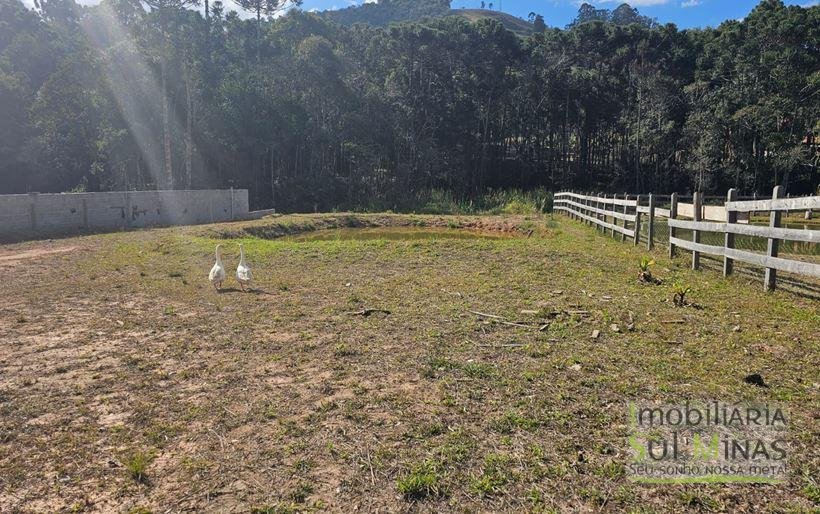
[368, 312]
[485, 315]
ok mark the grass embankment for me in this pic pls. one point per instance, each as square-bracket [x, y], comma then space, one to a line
[127, 382]
[500, 201]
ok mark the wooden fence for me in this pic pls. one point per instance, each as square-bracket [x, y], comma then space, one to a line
[623, 215]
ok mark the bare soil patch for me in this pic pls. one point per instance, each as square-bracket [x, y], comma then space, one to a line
[119, 351]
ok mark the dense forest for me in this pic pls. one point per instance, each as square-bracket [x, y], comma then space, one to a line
[312, 111]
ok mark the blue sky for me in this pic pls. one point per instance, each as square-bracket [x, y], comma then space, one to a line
[684, 13]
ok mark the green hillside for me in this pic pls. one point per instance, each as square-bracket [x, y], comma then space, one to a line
[510, 22]
[388, 11]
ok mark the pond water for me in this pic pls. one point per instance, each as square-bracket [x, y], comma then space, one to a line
[391, 234]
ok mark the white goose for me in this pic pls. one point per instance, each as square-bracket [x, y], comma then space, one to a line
[217, 274]
[243, 271]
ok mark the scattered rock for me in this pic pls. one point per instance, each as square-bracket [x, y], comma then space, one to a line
[595, 334]
[736, 328]
[756, 380]
[575, 367]
[615, 328]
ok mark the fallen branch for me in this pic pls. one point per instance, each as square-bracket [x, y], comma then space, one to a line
[485, 315]
[673, 321]
[368, 312]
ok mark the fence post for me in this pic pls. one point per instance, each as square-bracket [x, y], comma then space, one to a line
[650, 235]
[568, 214]
[614, 219]
[594, 205]
[770, 277]
[697, 215]
[598, 204]
[673, 213]
[623, 236]
[637, 220]
[581, 210]
[731, 217]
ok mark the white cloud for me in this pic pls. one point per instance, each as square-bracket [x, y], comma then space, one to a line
[691, 3]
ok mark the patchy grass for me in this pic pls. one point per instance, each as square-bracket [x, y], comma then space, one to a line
[422, 481]
[287, 399]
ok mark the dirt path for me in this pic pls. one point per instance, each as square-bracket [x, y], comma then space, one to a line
[10, 259]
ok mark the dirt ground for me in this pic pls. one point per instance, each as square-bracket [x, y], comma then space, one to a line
[127, 384]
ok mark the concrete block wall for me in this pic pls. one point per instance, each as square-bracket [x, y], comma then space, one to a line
[30, 216]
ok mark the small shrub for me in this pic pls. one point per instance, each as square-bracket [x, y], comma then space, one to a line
[646, 275]
[680, 291]
[136, 464]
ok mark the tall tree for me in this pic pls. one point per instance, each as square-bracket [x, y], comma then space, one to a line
[166, 11]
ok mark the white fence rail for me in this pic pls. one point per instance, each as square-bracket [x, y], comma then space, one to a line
[623, 215]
